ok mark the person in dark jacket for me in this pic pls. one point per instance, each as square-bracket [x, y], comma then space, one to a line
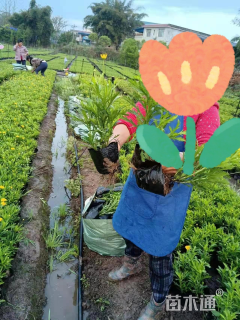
[38, 65]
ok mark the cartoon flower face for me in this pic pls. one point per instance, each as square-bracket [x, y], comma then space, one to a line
[190, 76]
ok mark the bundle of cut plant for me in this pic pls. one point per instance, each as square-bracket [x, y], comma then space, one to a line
[111, 203]
[202, 177]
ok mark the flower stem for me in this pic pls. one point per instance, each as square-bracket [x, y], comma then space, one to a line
[188, 166]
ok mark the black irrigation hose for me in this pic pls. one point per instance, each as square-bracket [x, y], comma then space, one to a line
[80, 313]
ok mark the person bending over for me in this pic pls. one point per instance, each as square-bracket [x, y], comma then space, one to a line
[38, 65]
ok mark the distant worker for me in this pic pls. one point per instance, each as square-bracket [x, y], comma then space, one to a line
[38, 65]
[21, 52]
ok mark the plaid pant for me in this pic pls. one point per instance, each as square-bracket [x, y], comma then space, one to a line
[161, 271]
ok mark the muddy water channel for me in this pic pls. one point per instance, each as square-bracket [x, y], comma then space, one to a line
[61, 287]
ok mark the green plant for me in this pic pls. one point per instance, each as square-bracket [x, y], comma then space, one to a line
[68, 255]
[190, 272]
[98, 112]
[230, 250]
[54, 238]
[129, 53]
[74, 185]
[85, 281]
[63, 211]
[112, 200]
[103, 303]
[125, 162]
[228, 303]
[104, 41]
[43, 201]
[203, 177]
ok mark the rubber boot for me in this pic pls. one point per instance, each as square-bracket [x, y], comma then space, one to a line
[130, 267]
[153, 310]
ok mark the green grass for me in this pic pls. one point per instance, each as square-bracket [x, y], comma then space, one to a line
[63, 211]
[54, 239]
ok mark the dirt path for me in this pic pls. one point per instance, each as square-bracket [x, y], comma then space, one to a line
[123, 300]
[24, 290]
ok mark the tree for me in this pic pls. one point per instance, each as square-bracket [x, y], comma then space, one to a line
[65, 38]
[140, 44]
[5, 34]
[115, 19]
[130, 53]
[104, 41]
[7, 9]
[59, 24]
[35, 24]
[93, 37]
[33, 4]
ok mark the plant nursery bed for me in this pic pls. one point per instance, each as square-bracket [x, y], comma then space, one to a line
[24, 288]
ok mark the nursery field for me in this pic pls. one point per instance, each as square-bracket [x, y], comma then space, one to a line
[22, 111]
[113, 70]
[207, 258]
[82, 65]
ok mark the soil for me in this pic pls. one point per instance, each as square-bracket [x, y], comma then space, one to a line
[24, 289]
[124, 300]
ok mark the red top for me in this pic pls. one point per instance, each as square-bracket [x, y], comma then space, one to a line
[206, 122]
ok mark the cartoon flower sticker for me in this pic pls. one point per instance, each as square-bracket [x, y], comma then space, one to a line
[187, 79]
[190, 76]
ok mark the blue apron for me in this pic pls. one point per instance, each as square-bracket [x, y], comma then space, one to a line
[153, 222]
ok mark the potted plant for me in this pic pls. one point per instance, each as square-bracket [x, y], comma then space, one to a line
[99, 114]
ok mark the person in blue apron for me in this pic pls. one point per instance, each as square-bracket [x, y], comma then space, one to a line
[152, 222]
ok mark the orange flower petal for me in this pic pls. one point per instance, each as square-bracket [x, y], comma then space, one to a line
[190, 76]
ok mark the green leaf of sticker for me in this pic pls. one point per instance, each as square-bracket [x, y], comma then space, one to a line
[158, 146]
[190, 147]
[224, 142]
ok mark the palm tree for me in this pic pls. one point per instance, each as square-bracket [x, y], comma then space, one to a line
[114, 18]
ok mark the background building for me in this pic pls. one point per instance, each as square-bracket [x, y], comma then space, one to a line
[163, 32]
[81, 36]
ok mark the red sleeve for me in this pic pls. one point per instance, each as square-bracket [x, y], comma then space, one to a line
[207, 124]
[132, 117]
